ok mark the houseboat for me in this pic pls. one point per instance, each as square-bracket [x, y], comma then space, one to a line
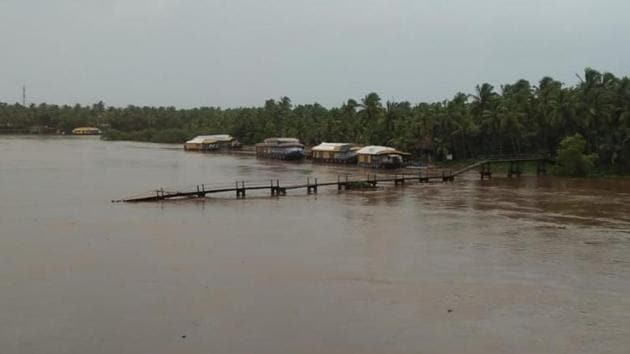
[212, 143]
[86, 131]
[380, 157]
[334, 153]
[280, 148]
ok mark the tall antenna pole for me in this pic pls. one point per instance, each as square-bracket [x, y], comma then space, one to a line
[24, 95]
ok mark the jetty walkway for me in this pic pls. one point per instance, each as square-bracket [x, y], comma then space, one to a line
[485, 162]
[277, 188]
[343, 182]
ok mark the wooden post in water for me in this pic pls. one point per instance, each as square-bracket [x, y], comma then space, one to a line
[240, 191]
[541, 168]
[447, 177]
[280, 191]
[373, 181]
[485, 171]
[515, 169]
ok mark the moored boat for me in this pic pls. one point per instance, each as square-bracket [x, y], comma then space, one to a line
[280, 148]
[334, 153]
[86, 131]
[380, 157]
[212, 143]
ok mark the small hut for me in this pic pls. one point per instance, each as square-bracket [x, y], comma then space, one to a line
[212, 143]
[280, 148]
[334, 152]
[380, 157]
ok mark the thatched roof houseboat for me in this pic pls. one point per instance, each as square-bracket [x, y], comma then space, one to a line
[212, 143]
[380, 157]
[280, 148]
[334, 152]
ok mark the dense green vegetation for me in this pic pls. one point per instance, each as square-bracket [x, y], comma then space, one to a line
[516, 118]
[572, 160]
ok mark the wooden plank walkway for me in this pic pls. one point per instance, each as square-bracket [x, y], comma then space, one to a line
[514, 160]
[343, 182]
[276, 188]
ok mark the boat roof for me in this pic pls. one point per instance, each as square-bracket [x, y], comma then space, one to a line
[330, 146]
[379, 150]
[210, 138]
[85, 128]
[281, 140]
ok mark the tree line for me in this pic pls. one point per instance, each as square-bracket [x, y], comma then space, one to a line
[514, 118]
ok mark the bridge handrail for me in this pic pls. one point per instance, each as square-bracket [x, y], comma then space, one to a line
[500, 158]
[511, 157]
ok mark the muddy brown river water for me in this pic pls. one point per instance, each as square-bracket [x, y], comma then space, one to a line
[529, 265]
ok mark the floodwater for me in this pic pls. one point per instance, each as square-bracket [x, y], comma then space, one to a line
[529, 265]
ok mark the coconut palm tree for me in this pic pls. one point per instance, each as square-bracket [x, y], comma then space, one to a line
[370, 113]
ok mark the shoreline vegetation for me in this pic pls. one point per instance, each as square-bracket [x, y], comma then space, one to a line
[586, 127]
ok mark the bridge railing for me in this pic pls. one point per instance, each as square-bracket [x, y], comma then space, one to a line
[512, 157]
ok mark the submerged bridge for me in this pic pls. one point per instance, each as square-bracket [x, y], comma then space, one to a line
[343, 182]
[310, 185]
[515, 161]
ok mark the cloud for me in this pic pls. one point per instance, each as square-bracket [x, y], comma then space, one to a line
[241, 52]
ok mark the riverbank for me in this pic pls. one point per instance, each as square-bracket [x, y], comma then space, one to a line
[498, 168]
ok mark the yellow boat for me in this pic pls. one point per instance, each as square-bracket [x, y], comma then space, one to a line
[86, 131]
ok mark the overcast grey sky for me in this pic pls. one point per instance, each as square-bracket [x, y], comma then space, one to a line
[240, 52]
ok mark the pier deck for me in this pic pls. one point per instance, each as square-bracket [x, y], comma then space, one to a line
[277, 188]
[343, 182]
